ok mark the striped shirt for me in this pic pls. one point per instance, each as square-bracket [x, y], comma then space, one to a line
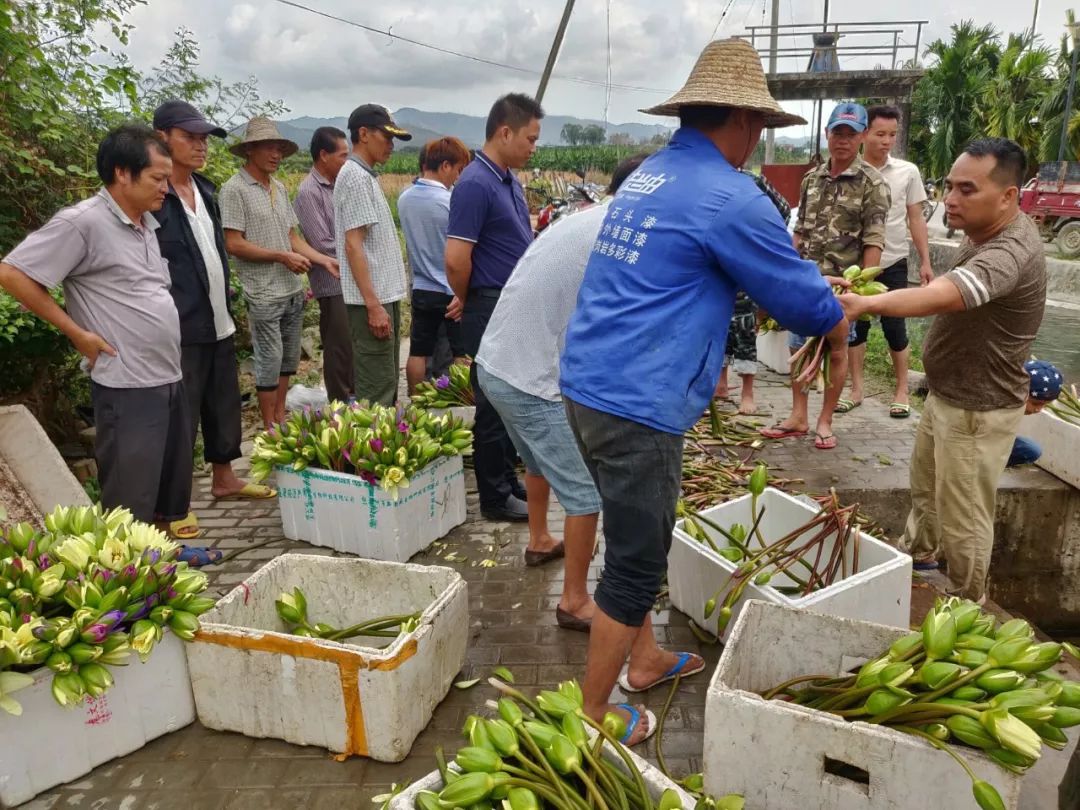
[314, 207]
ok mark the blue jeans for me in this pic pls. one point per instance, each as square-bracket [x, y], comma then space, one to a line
[1024, 451]
[542, 436]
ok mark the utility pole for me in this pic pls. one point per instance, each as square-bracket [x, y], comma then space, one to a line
[770, 134]
[553, 57]
[1034, 25]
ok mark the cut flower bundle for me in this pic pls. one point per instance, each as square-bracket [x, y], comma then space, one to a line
[384, 446]
[84, 594]
[292, 609]
[452, 390]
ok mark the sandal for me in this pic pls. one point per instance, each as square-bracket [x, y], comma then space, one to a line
[187, 528]
[825, 442]
[670, 675]
[635, 718]
[778, 431]
[249, 492]
[899, 410]
[846, 405]
[198, 556]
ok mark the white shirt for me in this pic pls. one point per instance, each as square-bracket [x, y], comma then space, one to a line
[203, 228]
[906, 187]
[525, 336]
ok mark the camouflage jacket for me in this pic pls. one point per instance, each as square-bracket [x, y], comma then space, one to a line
[839, 216]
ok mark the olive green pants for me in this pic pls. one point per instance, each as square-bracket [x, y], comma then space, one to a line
[958, 458]
[376, 364]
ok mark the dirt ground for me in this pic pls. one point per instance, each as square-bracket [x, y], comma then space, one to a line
[15, 503]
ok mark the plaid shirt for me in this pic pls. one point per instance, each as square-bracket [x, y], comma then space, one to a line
[314, 207]
[265, 217]
[359, 202]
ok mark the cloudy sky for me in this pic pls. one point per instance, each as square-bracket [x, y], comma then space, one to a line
[322, 67]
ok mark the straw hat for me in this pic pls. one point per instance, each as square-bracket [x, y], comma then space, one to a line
[729, 74]
[261, 129]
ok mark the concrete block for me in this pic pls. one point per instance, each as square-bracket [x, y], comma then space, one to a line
[773, 352]
[250, 676]
[345, 513]
[49, 745]
[1060, 443]
[879, 591]
[36, 463]
[653, 776]
[780, 755]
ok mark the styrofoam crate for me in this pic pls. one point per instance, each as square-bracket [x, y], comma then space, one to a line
[345, 513]
[772, 351]
[1060, 444]
[880, 591]
[36, 463]
[654, 778]
[466, 413]
[777, 754]
[251, 676]
[49, 745]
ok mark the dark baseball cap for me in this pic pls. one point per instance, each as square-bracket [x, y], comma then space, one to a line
[375, 116]
[183, 116]
[848, 114]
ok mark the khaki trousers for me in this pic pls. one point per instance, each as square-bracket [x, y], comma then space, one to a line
[958, 458]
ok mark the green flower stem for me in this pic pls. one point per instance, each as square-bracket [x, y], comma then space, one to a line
[934, 741]
[590, 786]
[922, 708]
[756, 530]
[553, 777]
[924, 699]
[621, 751]
[548, 795]
[382, 623]
[529, 764]
[660, 728]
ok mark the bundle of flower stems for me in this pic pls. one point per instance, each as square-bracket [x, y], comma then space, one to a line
[726, 429]
[1067, 406]
[962, 679]
[812, 361]
[810, 557]
[539, 753]
[292, 609]
[709, 478]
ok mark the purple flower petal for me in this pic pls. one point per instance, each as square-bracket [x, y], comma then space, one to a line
[376, 445]
[403, 427]
[443, 382]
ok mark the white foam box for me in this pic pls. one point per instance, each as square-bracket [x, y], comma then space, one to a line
[345, 513]
[777, 754]
[251, 676]
[36, 462]
[654, 778]
[772, 350]
[1060, 444]
[48, 745]
[466, 413]
[879, 590]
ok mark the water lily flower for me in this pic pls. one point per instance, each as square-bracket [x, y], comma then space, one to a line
[114, 554]
[403, 426]
[376, 445]
[75, 553]
[12, 682]
[115, 518]
[442, 382]
[393, 480]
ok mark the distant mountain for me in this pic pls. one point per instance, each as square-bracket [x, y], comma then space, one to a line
[426, 126]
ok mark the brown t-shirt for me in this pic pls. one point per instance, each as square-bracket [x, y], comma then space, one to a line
[974, 359]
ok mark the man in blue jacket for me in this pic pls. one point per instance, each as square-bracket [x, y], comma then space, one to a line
[645, 347]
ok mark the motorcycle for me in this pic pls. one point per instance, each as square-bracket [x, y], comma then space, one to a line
[574, 197]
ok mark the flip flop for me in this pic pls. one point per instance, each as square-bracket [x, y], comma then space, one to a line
[535, 558]
[250, 492]
[568, 621]
[899, 410]
[187, 528]
[635, 718]
[926, 565]
[778, 432]
[825, 442]
[678, 669]
[198, 556]
[846, 405]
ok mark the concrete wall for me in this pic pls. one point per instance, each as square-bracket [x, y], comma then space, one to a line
[1063, 277]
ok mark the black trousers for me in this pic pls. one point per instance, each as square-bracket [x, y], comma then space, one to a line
[143, 449]
[337, 348]
[211, 380]
[494, 455]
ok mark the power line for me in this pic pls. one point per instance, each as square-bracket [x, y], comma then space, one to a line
[469, 56]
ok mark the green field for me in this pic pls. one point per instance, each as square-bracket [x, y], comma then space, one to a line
[601, 159]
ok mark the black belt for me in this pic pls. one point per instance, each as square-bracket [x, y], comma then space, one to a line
[485, 292]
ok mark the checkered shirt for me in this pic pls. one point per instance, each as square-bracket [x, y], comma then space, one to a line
[359, 202]
[265, 217]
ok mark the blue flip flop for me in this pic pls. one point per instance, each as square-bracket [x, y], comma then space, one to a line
[635, 718]
[198, 556]
[678, 669]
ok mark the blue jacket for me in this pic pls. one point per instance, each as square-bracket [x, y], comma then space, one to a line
[685, 232]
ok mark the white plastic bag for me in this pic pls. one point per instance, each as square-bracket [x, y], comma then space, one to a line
[300, 397]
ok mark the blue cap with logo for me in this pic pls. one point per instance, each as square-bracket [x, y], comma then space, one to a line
[849, 114]
[1046, 380]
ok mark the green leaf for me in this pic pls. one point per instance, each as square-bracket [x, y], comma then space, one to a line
[467, 684]
[503, 674]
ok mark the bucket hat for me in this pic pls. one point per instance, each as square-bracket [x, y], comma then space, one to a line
[728, 73]
[259, 130]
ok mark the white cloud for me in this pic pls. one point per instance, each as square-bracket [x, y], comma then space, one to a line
[240, 18]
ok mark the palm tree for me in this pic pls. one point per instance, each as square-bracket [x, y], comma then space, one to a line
[1053, 106]
[1013, 95]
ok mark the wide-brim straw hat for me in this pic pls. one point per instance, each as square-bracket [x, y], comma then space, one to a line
[729, 74]
[259, 130]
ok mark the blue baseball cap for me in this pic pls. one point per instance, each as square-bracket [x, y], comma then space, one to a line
[849, 114]
[1046, 380]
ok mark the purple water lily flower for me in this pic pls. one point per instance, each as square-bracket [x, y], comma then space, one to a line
[272, 432]
[402, 427]
[31, 549]
[105, 574]
[442, 382]
[112, 617]
[376, 445]
[95, 633]
[151, 556]
[44, 562]
[369, 478]
[17, 564]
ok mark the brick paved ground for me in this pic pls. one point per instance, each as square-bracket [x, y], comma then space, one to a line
[513, 624]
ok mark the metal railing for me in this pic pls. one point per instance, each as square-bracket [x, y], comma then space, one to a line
[880, 30]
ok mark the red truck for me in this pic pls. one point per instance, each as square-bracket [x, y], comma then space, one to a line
[1052, 199]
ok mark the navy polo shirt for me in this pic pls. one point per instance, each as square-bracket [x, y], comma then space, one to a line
[685, 232]
[488, 208]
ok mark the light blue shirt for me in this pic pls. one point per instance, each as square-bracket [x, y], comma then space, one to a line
[685, 232]
[424, 211]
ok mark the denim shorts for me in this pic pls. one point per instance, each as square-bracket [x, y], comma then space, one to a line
[542, 436]
[275, 338]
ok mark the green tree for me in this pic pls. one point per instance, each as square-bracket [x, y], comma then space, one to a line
[1013, 95]
[1053, 105]
[593, 135]
[571, 134]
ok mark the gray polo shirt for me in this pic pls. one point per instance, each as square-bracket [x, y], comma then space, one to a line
[116, 284]
[265, 217]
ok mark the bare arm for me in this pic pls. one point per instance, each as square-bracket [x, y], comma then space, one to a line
[36, 298]
[459, 266]
[871, 256]
[237, 245]
[939, 296]
[378, 319]
[921, 238]
[300, 245]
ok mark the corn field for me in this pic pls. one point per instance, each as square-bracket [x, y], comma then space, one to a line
[602, 159]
